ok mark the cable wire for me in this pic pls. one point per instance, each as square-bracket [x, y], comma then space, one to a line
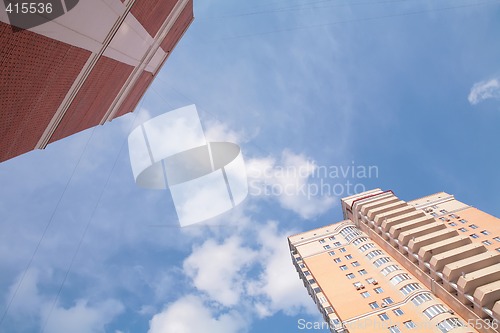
[87, 226]
[47, 226]
[363, 19]
[307, 6]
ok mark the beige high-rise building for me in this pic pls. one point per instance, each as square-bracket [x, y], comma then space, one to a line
[427, 265]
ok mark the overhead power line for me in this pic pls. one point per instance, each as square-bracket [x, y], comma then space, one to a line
[361, 19]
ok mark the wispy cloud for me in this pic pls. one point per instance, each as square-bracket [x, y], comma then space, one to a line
[35, 308]
[488, 89]
[288, 178]
[276, 287]
[83, 317]
[218, 269]
[219, 131]
[190, 314]
[249, 273]
[249, 252]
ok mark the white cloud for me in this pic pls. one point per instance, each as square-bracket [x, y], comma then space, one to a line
[27, 300]
[289, 181]
[190, 315]
[278, 286]
[484, 90]
[32, 307]
[218, 269]
[147, 310]
[217, 131]
[82, 318]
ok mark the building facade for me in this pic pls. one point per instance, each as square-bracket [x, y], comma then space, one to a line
[83, 68]
[427, 265]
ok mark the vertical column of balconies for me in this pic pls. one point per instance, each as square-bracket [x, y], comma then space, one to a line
[313, 288]
[465, 269]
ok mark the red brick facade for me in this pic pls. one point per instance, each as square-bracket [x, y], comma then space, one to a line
[94, 98]
[36, 72]
[178, 29]
[37, 76]
[135, 94]
[152, 13]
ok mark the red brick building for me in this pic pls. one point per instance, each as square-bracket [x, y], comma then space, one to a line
[84, 68]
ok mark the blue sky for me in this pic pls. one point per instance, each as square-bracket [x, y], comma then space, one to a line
[409, 87]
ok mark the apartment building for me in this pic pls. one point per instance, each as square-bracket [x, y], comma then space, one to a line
[81, 69]
[427, 265]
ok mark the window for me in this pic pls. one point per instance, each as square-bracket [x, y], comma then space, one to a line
[342, 249]
[443, 211]
[398, 312]
[498, 249]
[497, 239]
[373, 305]
[462, 229]
[343, 268]
[410, 324]
[388, 300]
[379, 262]
[453, 216]
[366, 247]
[390, 269]
[434, 214]
[383, 316]
[329, 310]
[332, 238]
[357, 284]
[449, 324]
[327, 247]
[485, 232]
[409, 288]
[350, 276]
[422, 298]
[322, 299]
[399, 278]
[321, 241]
[453, 224]
[487, 242]
[311, 281]
[373, 254]
[394, 329]
[463, 221]
[365, 294]
[434, 310]
[337, 260]
[317, 290]
[362, 272]
[355, 263]
[474, 236]
[444, 219]
[359, 240]
[378, 290]
[307, 273]
[302, 266]
[370, 280]
[349, 256]
[332, 253]
[350, 233]
[336, 244]
[473, 226]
